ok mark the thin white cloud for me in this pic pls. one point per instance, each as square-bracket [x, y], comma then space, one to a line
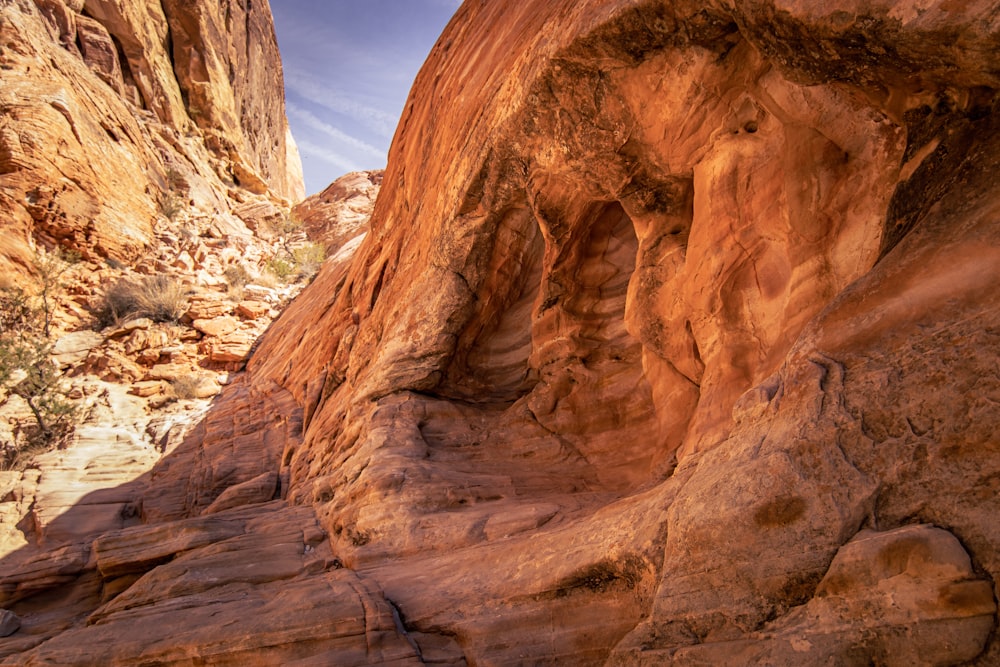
[376, 120]
[307, 148]
[309, 119]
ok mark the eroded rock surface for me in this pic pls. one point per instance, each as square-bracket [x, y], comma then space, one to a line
[112, 110]
[673, 341]
[340, 212]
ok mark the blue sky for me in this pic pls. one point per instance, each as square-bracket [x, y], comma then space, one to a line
[348, 68]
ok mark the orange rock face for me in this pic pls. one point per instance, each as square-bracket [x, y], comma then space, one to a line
[673, 341]
[110, 112]
[341, 212]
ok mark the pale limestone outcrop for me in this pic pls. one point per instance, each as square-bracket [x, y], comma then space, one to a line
[684, 353]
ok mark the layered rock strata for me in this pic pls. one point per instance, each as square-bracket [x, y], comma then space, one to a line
[340, 213]
[113, 111]
[674, 341]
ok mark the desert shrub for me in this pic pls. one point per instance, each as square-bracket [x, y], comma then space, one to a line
[26, 370]
[267, 279]
[160, 298]
[50, 267]
[236, 275]
[185, 387]
[290, 224]
[299, 263]
[282, 225]
[281, 268]
[237, 278]
[16, 313]
[175, 178]
[171, 204]
[308, 259]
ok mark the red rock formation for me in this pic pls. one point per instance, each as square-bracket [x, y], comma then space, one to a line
[341, 212]
[108, 112]
[674, 341]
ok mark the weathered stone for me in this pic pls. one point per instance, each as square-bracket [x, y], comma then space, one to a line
[99, 52]
[670, 342]
[148, 357]
[260, 293]
[74, 347]
[28, 573]
[148, 388]
[260, 489]
[219, 567]
[145, 339]
[341, 211]
[207, 308]
[216, 326]
[183, 261]
[9, 623]
[86, 157]
[168, 372]
[130, 326]
[233, 347]
[203, 386]
[252, 310]
[227, 226]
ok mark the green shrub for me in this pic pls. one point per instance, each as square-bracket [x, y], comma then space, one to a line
[26, 370]
[309, 258]
[160, 298]
[281, 268]
[16, 313]
[301, 263]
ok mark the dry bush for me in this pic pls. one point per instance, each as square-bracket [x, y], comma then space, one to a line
[171, 204]
[236, 275]
[160, 298]
[267, 279]
[185, 387]
[237, 278]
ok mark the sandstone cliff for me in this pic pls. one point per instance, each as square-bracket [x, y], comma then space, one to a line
[673, 341]
[109, 108]
[341, 212]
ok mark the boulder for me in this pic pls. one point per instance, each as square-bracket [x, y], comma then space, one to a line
[216, 326]
[207, 308]
[233, 347]
[252, 310]
[148, 388]
[73, 348]
[9, 623]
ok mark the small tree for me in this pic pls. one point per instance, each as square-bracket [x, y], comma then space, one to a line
[26, 370]
[26, 367]
[50, 267]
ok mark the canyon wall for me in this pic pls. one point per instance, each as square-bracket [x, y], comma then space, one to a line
[673, 341]
[109, 109]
